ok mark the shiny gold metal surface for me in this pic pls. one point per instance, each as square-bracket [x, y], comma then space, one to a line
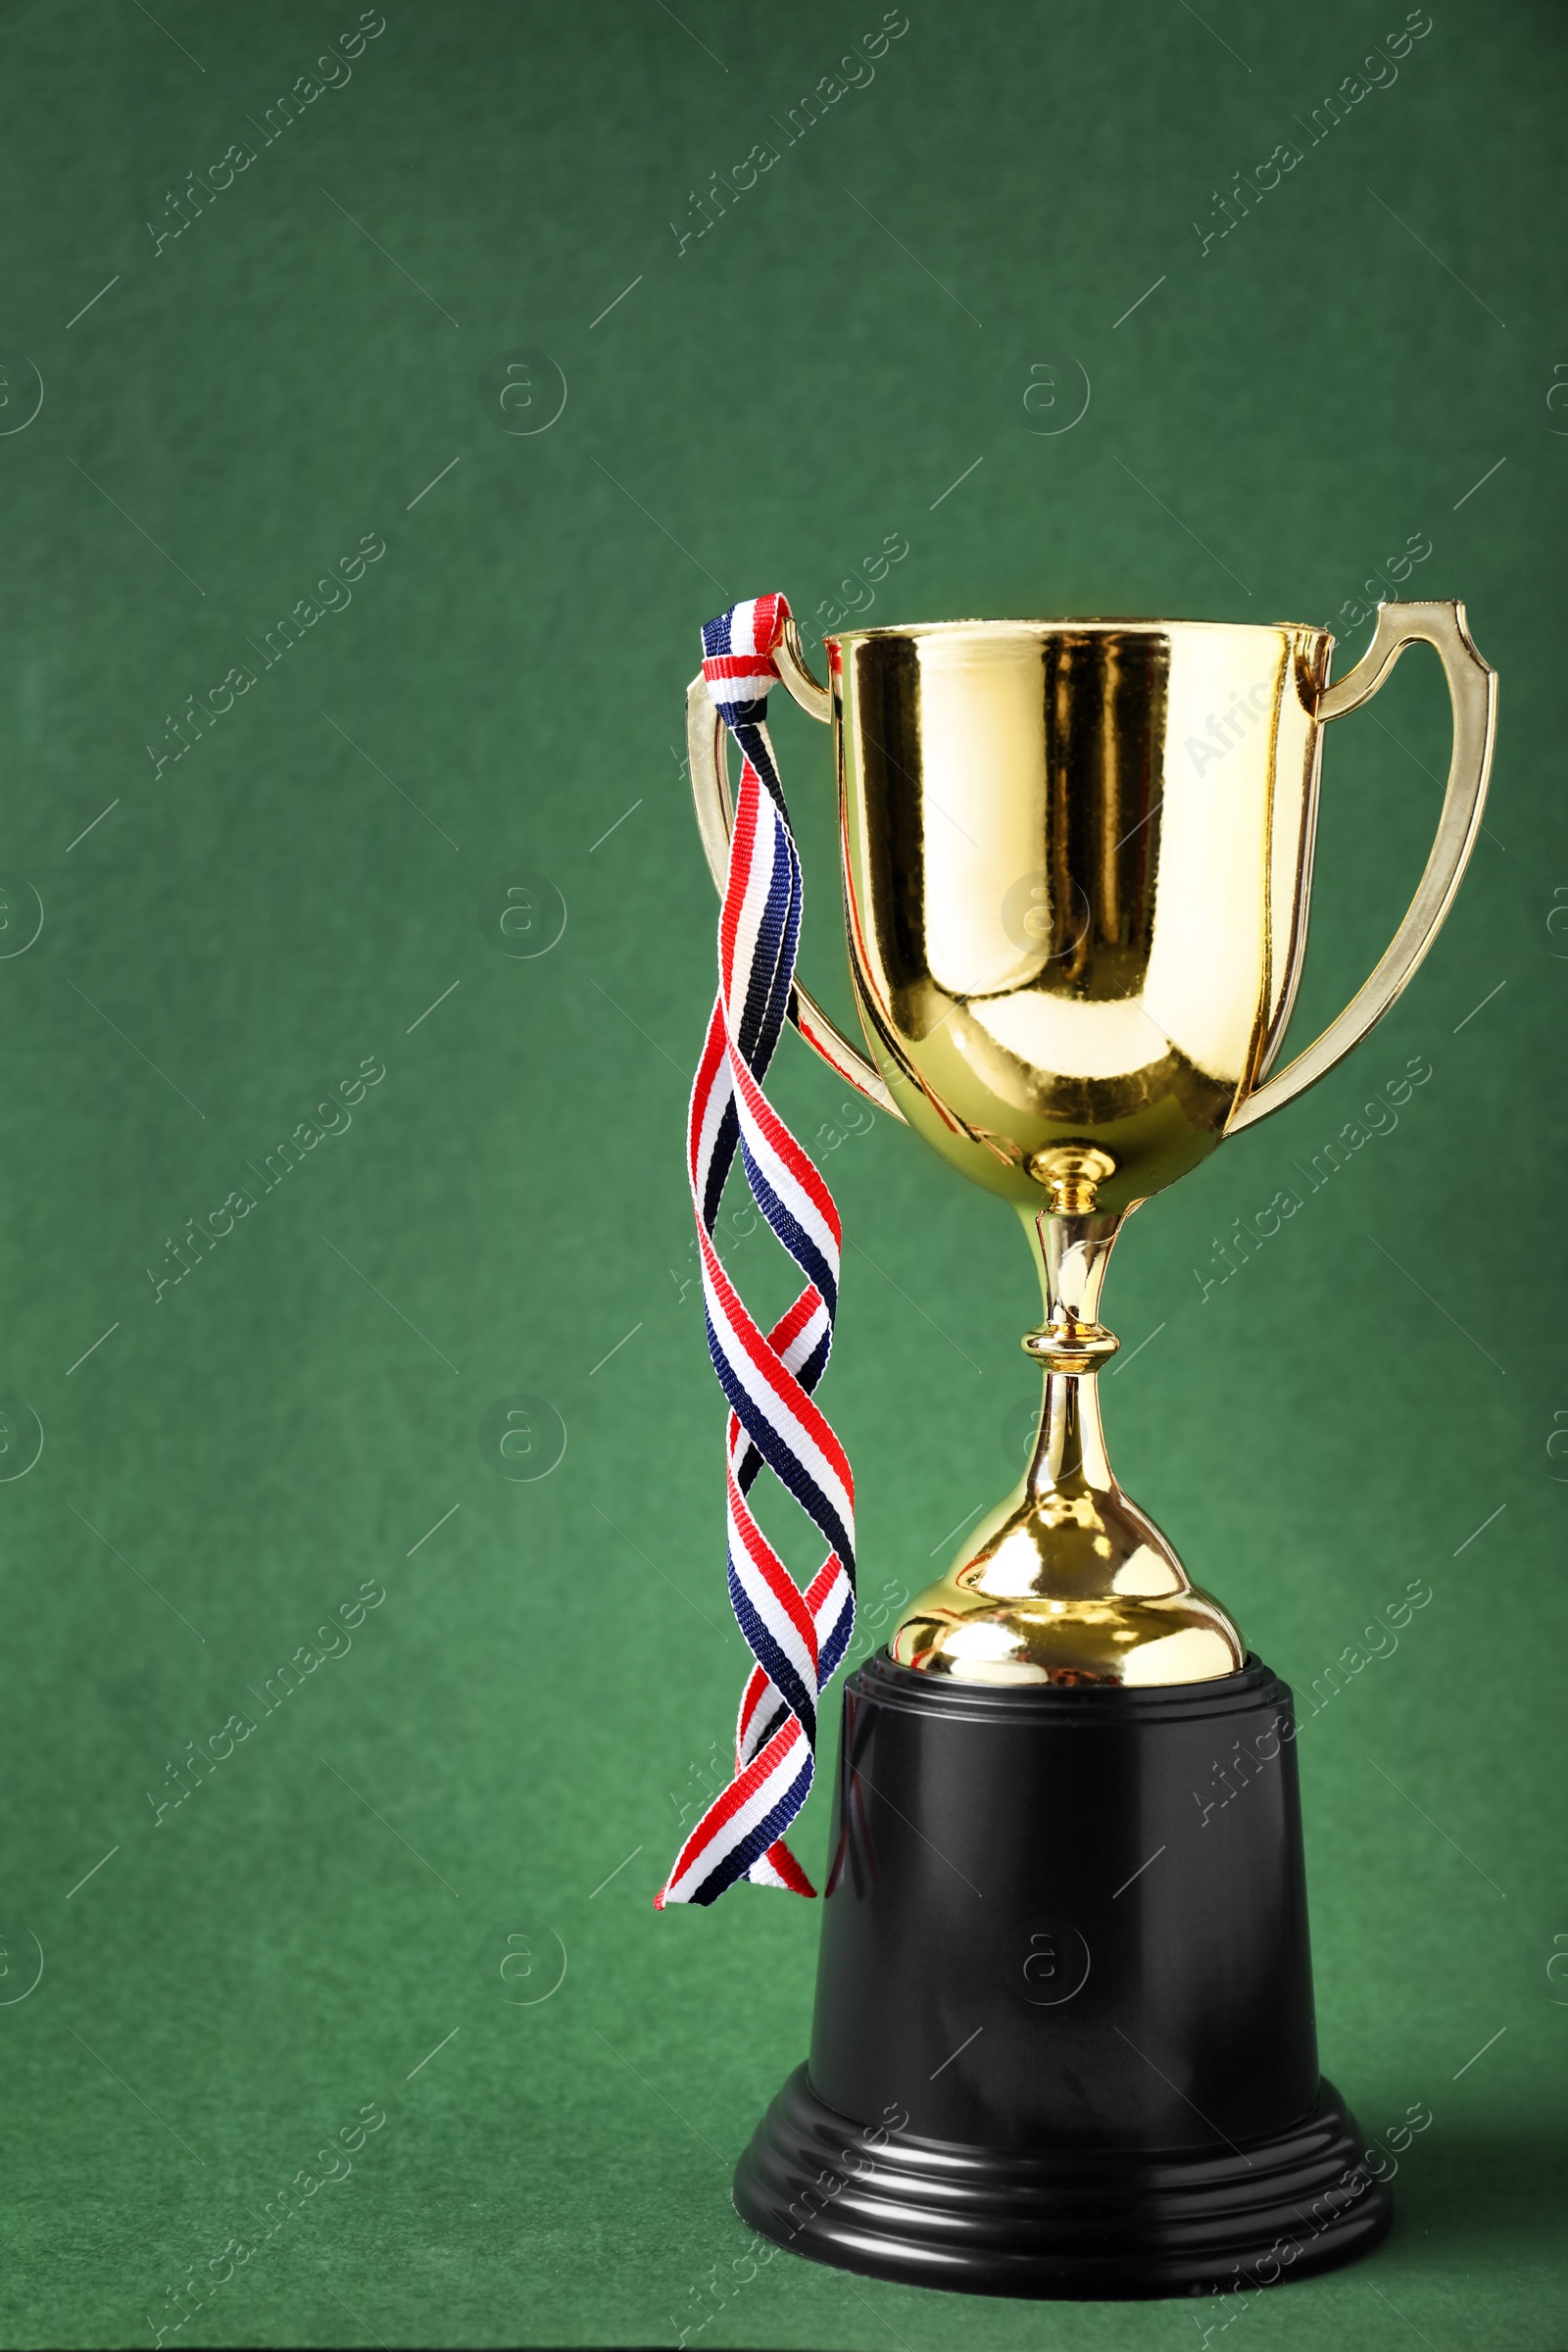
[1066, 1581]
[1077, 862]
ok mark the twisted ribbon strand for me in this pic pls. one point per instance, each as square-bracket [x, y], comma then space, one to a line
[797, 1638]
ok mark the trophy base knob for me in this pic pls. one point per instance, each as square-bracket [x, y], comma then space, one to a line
[1070, 2223]
[1063, 2042]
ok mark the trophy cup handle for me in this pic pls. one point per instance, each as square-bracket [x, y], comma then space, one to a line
[707, 738]
[1473, 692]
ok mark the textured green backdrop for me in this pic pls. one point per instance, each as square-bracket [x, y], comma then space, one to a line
[244, 396]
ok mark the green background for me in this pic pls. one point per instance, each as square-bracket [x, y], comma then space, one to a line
[508, 1745]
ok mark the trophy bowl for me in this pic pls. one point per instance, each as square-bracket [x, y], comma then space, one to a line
[1076, 860]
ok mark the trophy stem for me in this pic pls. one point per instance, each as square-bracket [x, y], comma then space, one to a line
[1066, 1581]
[1072, 1252]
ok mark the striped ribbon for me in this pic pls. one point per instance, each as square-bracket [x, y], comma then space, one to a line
[797, 1638]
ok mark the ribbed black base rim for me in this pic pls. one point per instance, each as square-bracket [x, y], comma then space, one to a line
[1076, 2223]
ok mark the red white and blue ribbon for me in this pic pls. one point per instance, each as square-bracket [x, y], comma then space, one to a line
[795, 1638]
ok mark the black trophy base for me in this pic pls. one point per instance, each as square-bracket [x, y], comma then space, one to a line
[1064, 2042]
[1093, 2224]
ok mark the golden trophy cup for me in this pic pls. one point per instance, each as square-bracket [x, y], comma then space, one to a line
[1076, 909]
